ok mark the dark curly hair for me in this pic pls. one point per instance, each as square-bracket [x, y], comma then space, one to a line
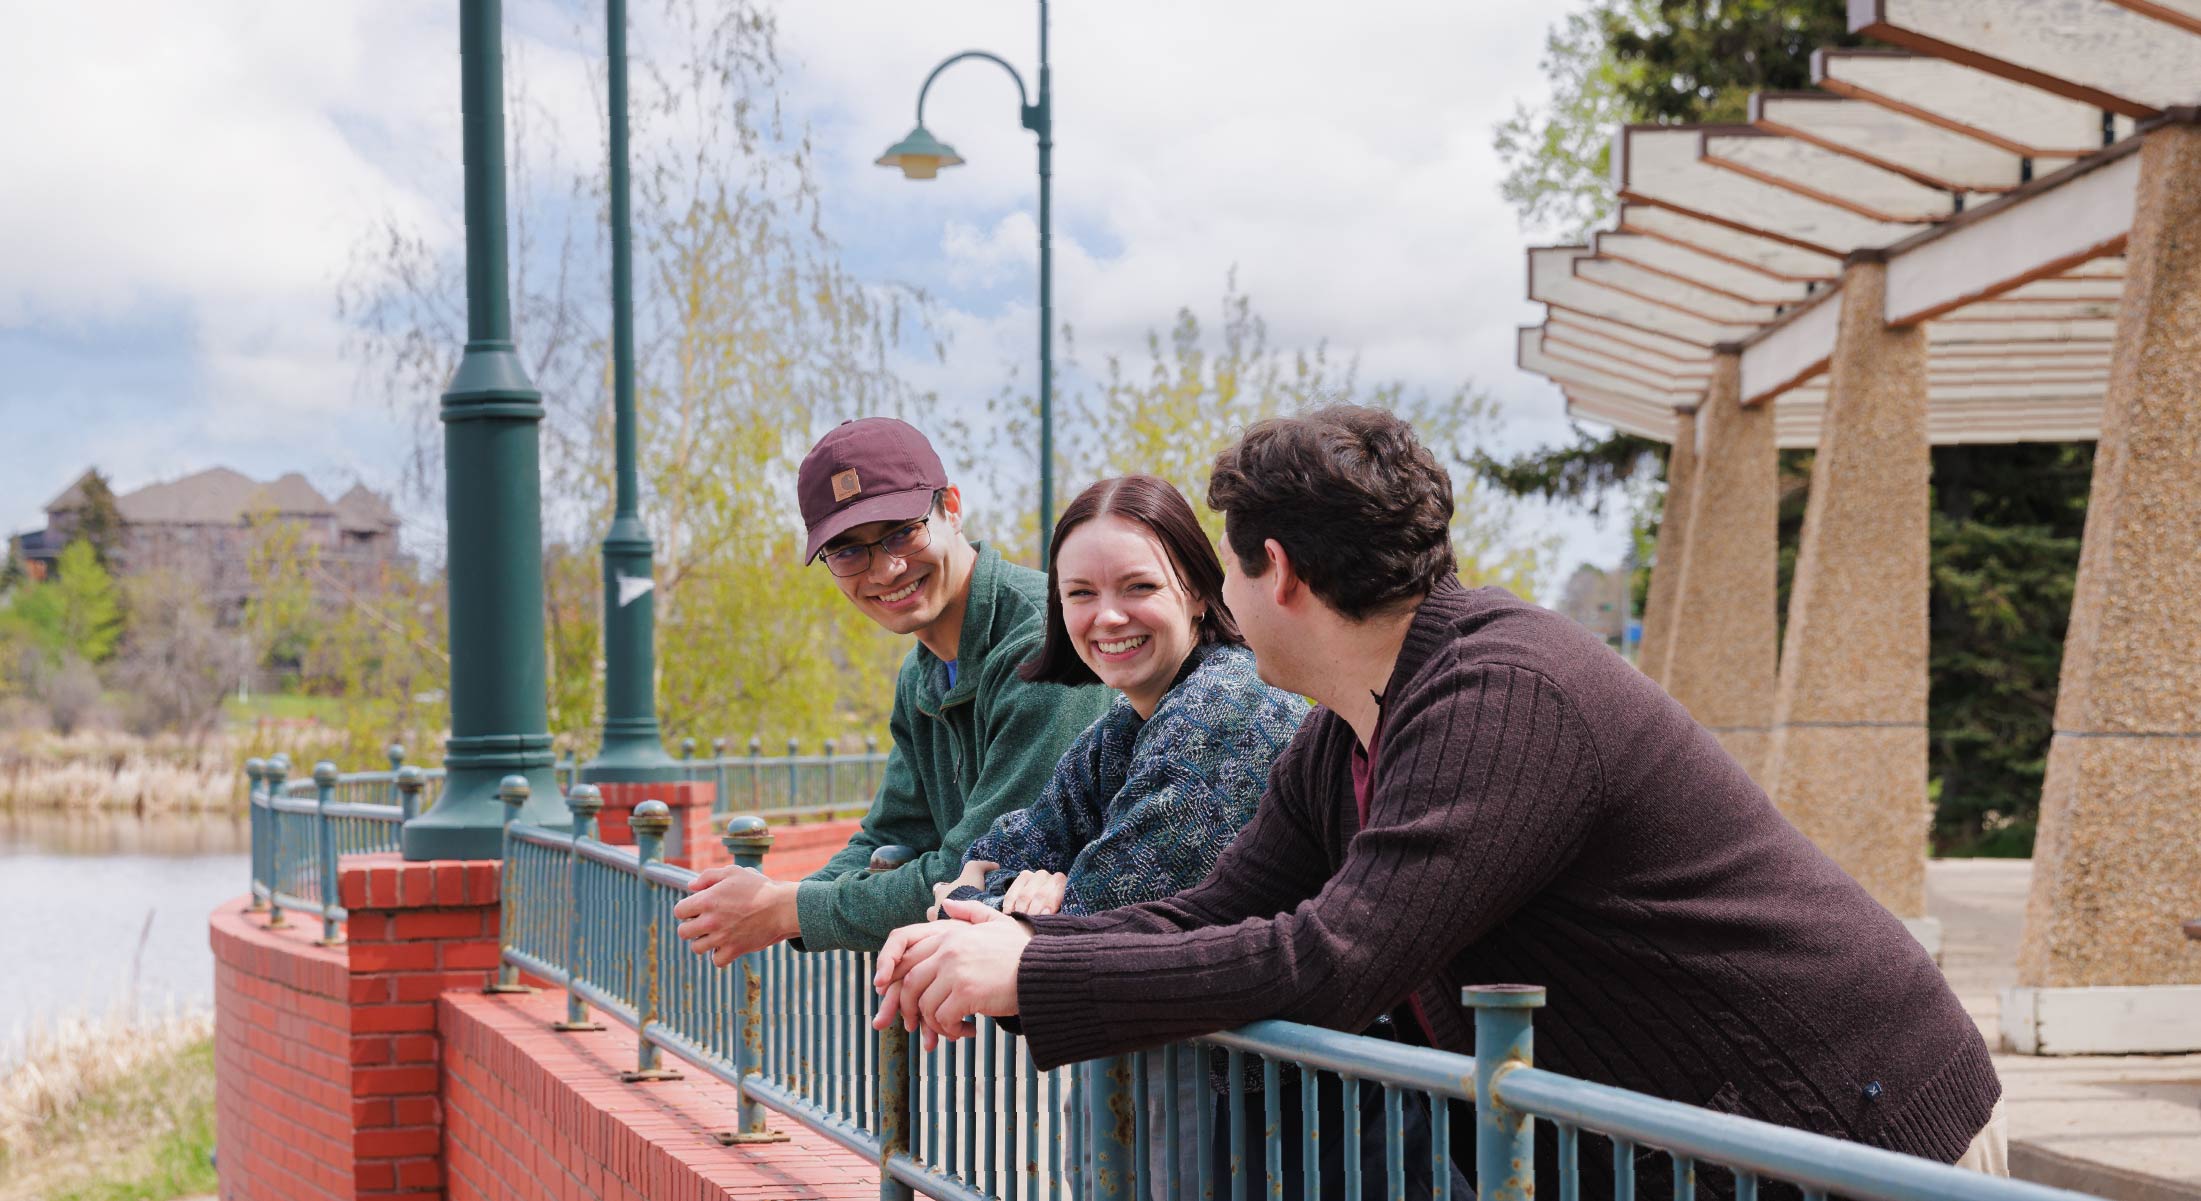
[1156, 504]
[1358, 503]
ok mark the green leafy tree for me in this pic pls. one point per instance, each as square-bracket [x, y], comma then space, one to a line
[76, 613]
[1196, 388]
[1666, 61]
[2007, 522]
[99, 520]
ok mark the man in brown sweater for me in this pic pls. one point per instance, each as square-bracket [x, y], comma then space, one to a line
[1487, 795]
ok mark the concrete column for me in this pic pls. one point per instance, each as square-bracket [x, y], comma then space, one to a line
[1847, 763]
[2117, 863]
[1723, 642]
[1673, 538]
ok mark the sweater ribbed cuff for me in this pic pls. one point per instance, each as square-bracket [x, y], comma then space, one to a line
[1944, 1117]
[1054, 1000]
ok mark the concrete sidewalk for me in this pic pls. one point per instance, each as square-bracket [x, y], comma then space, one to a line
[2126, 1127]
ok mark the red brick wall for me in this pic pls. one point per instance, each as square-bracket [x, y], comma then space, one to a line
[282, 1059]
[335, 1083]
[327, 1058]
[532, 1113]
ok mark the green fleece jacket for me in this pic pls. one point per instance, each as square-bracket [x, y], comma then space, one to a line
[962, 757]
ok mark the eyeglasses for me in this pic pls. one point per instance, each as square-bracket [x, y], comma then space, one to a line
[855, 558]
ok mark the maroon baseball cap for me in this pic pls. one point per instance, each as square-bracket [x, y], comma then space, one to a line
[870, 469]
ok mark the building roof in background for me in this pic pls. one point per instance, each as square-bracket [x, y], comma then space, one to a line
[362, 509]
[220, 496]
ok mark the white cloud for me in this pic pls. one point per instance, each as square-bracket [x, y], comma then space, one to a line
[214, 164]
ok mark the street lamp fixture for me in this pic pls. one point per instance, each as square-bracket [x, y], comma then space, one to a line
[921, 156]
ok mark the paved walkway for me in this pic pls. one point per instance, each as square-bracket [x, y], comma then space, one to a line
[2127, 1127]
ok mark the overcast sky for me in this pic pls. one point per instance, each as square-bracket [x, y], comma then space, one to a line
[185, 182]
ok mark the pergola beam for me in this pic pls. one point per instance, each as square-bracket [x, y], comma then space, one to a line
[1924, 152]
[1820, 174]
[2107, 54]
[1778, 259]
[2083, 213]
[2022, 120]
[1658, 165]
[1797, 349]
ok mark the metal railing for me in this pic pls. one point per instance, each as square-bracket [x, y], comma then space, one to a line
[790, 786]
[976, 1120]
[300, 828]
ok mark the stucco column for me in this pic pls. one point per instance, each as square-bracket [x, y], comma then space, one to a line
[2117, 863]
[1847, 764]
[1673, 537]
[1724, 641]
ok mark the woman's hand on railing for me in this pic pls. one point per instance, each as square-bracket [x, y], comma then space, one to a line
[940, 975]
[1035, 893]
[973, 876]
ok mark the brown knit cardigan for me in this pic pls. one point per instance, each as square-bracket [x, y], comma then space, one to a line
[1542, 814]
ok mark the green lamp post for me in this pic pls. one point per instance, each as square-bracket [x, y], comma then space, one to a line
[630, 750]
[921, 156]
[493, 504]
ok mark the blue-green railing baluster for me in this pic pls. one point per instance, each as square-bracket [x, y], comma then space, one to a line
[396, 754]
[829, 777]
[1349, 1136]
[1272, 1123]
[1440, 1148]
[584, 802]
[1685, 1178]
[512, 889]
[410, 780]
[651, 820]
[1570, 1162]
[256, 813]
[276, 768]
[719, 802]
[324, 836]
[1236, 1061]
[1310, 1115]
[1394, 1141]
[1623, 1170]
[747, 839]
[1505, 1143]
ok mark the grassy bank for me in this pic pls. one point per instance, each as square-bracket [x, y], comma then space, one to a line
[118, 1109]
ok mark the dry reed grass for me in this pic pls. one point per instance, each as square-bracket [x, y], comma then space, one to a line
[60, 1063]
[105, 771]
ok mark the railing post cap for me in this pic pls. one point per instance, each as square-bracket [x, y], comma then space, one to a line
[585, 799]
[278, 766]
[687, 748]
[1503, 996]
[411, 778]
[255, 767]
[746, 828]
[395, 750]
[718, 747]
[887, 858]
[324, 774]
[513, 790]
[651, 817]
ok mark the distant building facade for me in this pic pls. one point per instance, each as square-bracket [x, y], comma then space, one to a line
[206, 525]
[1599, 601]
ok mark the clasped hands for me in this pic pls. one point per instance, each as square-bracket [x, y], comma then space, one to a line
[940, 975]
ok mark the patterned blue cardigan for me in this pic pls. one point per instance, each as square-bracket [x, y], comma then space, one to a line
[1141, 809]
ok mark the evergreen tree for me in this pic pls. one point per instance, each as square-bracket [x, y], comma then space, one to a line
[99, 522]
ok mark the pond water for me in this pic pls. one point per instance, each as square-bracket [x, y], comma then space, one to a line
[105, 910]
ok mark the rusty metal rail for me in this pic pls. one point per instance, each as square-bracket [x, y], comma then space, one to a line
[300, 828]
[975, 1121]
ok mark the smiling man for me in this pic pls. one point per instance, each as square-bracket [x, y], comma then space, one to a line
[972, 740]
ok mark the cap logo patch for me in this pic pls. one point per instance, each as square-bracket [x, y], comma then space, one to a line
[845, 485]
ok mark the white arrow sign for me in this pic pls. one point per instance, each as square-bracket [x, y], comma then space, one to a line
[631, 587]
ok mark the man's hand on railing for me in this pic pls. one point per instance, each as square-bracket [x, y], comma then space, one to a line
[939, 975]
[735, 910]
[973, 876]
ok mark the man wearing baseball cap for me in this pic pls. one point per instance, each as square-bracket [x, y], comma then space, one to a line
[971, 740]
